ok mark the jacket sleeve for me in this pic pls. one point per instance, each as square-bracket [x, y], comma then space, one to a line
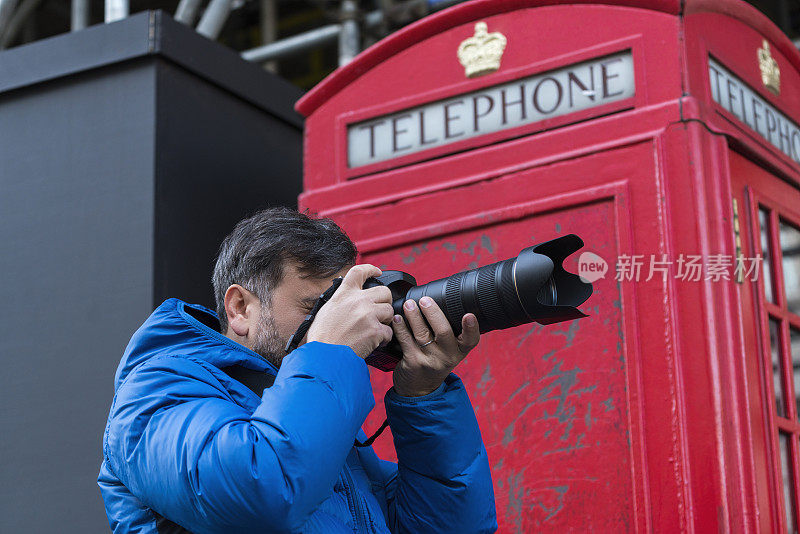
[186, 450]
[442, 482]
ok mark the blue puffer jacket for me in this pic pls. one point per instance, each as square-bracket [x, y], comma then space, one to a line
[188, 445]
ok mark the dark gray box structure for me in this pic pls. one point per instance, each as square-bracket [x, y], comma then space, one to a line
[127, 152]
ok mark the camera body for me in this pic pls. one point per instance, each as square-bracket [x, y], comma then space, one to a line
[531, 287]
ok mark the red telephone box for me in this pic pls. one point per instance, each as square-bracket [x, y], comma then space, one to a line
[665, 134]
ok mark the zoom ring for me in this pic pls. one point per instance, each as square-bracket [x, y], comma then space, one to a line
[489, 299]
[452, 299]
[510, 299]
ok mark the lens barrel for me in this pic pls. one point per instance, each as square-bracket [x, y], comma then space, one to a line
[531, 287]
[489, 292]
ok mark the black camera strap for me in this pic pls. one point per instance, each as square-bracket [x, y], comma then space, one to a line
[301, 332]
[374, 436]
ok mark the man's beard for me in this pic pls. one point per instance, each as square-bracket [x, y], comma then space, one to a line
[268, 343]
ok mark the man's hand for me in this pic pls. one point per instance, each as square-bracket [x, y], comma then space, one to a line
[429, 354]
[355, 317]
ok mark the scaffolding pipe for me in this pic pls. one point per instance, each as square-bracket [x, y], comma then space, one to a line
[269, 18]
[323, 35]
[214, 18]
[116, 10]
[386, 6]
[80, 15]
[269, 28]
[302, 41]
[6, 12]
[349, 34]
[187, 11]
[26, 8]
[293, 44]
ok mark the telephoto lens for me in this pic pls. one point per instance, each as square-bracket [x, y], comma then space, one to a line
[531, 287]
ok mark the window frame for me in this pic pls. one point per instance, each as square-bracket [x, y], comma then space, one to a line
[779, 312]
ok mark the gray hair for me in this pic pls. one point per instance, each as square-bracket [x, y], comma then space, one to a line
[253, 255]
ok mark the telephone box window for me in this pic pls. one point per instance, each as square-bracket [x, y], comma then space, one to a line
[790, 250]
[777, 367]
[788, 485]
[780, 248]
[763, 217]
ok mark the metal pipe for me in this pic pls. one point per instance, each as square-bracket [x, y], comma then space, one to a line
[22, 13]
[187, 11]
[319, 36]
[116, 10]
[349, 34]
[386, 6]
[374, 19]
[80, 15]
[214, 18]
[302, 41]
[293, 44]
[6, 12]
[268, 23]
[269, 28]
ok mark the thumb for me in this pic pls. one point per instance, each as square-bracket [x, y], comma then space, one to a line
[359, 274]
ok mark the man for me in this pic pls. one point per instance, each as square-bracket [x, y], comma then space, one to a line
[213, 428]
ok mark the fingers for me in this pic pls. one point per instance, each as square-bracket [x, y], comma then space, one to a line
[358, 274]
[470, 333]
[384, 312]
[436, 319]
[403, 335]
[379, 294]
[419, 328]
[386, 333]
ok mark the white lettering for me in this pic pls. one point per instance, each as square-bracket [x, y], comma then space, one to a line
[755, 112]
[509, 105]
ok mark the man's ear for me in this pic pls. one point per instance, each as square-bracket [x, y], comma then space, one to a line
[242, 309]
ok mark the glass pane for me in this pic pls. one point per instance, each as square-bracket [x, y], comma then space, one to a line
[790, 245]
[794, 339]
[777, 367]
[788, 485]
[763, 219]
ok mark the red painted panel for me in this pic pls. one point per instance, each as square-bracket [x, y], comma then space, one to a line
[559, 406]
[703, 334]
[429, 70]
[406, 101]
[477, 9]
[444, 21]
[553, 408]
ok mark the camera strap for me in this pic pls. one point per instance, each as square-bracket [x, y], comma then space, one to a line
[301, 332]
[374, 436]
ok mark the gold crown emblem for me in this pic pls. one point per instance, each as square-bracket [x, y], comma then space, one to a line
[770, 73]
[481, 53]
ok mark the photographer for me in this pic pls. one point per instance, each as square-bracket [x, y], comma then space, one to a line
[213, 428]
